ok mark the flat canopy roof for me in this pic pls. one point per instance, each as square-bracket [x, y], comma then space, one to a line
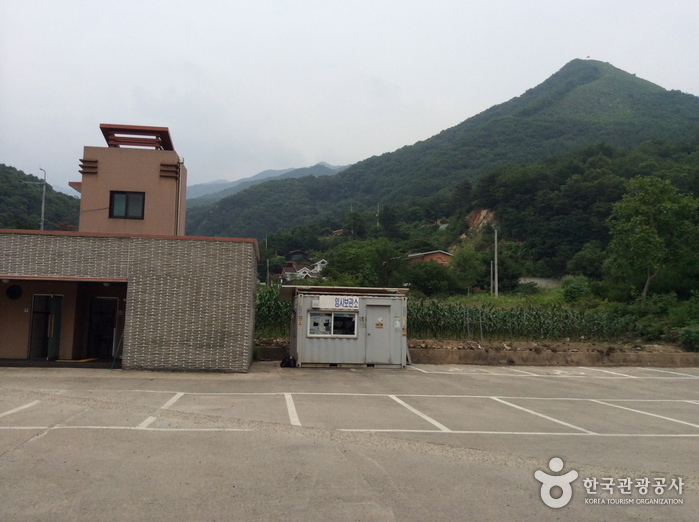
[287, 292]
[137, 136]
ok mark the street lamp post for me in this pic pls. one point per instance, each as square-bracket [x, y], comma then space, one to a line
[43, 196]
[43, 200]
[496, 262]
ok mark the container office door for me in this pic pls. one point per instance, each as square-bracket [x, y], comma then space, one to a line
[378, 332]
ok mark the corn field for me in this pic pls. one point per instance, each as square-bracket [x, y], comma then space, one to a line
[429, 319]
[434, 319]
[272, 316]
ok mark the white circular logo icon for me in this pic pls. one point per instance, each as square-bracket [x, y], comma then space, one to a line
[548, 482]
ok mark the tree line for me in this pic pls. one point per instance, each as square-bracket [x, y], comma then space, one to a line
[624, 218]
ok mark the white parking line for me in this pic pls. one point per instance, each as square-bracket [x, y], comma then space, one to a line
[526, 373]
[146, 423]
[436, 396]
[674, 373]
[172, 401]
[25, 428]
[543, 416]
[646, 413]
[367, 430]
[607, 371]
[19, 408]
[560, 374]
[138, 428]
[439, 425]
[291, 408]
[534, 433]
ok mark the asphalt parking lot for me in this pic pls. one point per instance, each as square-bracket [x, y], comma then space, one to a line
[427, 442]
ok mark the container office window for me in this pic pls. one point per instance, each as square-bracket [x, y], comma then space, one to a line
[126, 205]
[332, 324]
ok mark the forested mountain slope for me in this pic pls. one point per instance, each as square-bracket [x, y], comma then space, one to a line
[20, 203]
[585, 103]
[234, 187]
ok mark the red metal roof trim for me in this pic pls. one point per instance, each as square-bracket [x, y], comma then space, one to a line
[137, 136]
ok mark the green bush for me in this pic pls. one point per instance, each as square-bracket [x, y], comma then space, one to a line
[690, 338]
[650, 328]
[530, 288]
[576, 288]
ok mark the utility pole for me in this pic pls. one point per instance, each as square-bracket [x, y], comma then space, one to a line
[496, 262]
[43, 197]
[352, 219]
[491, 277]
[43, 200]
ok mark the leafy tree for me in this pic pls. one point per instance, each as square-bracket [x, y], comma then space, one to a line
[653, 227]
[589, 261]
[468, 266]
[365, 263]
[356, 224]
[389, 219]
[430, 278]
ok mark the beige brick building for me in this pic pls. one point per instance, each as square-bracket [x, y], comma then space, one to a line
[131, 290]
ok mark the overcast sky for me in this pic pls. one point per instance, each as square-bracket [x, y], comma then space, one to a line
[246, 86]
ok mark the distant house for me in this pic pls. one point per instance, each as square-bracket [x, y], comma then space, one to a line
[440, 256]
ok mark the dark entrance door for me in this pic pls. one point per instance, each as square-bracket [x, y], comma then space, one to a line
[103, 320]
[45, 335]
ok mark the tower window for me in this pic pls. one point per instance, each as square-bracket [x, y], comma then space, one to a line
[126, 205]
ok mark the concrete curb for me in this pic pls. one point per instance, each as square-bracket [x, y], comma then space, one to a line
[495, 358]
[526, 358]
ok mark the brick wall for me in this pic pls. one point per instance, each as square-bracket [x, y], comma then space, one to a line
[190, 302]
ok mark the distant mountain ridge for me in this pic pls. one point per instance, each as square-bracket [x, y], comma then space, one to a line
[585, 103]
[207, 193]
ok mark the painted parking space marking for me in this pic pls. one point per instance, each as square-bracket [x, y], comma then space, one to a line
[417, 412]
[139, 428]
[19, 408]
[172, 401]
[674, 373]
[646, 413]
[383, 420]
[543, 416]
[30, 428]
[572, 373]
[526, 373]
[291, 408]
[608, 371]
[147, 422]
[366, 430]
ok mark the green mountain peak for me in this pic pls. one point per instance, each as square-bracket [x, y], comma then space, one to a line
[586, 102]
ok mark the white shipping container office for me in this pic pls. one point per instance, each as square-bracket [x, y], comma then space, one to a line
[346, 326]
